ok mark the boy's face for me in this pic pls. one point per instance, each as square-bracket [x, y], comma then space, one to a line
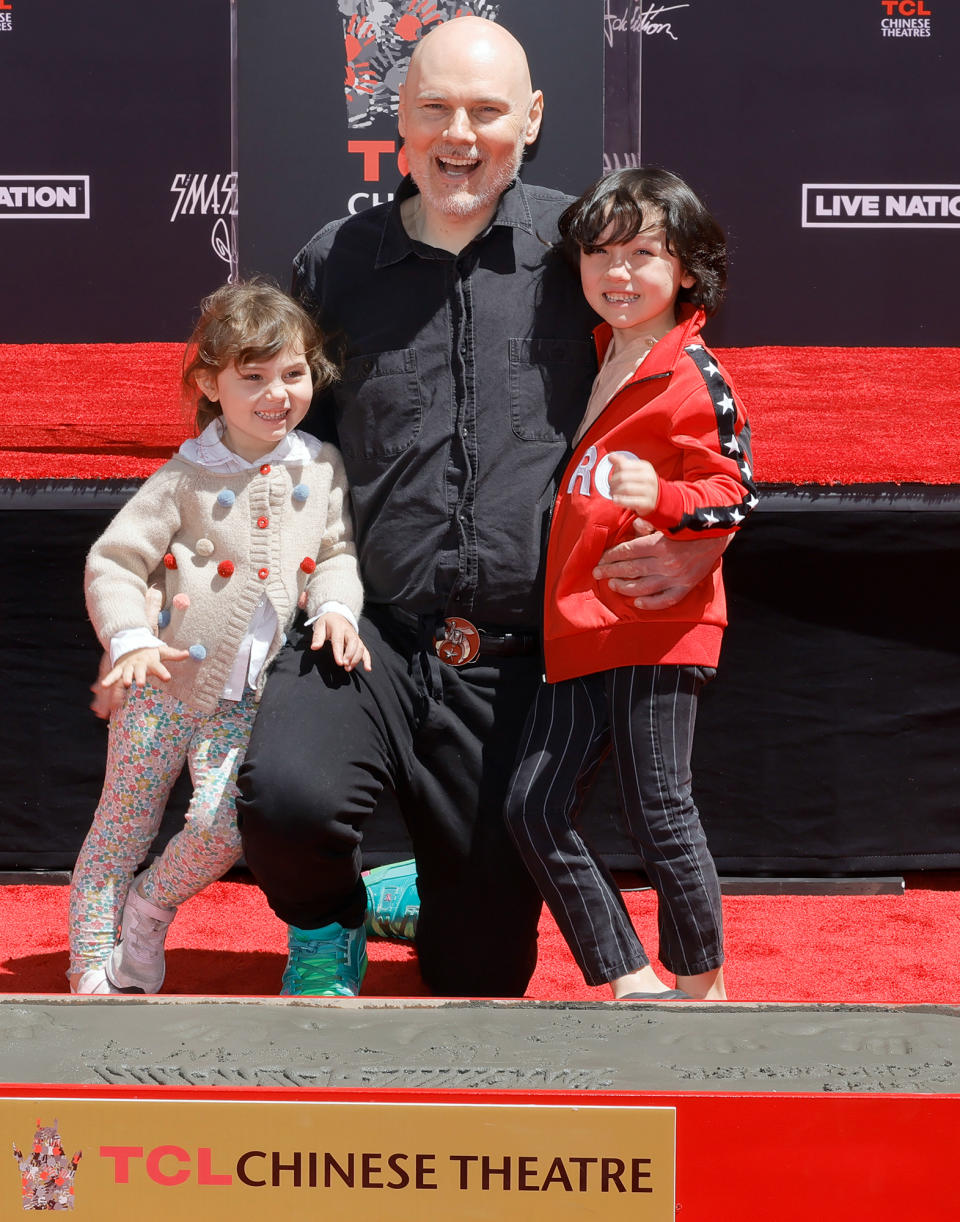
[634, 285]
[261, 401]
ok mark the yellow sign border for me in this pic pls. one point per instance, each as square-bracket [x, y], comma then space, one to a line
[424, 1159]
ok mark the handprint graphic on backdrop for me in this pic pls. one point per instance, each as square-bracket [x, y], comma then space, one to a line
[46, 1177]
[378, 39]
[419, 14]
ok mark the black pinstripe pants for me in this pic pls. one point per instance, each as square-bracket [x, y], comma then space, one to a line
[646, 714]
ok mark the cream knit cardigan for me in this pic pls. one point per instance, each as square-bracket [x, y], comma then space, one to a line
[177, 531]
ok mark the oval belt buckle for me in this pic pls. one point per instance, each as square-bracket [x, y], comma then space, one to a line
[460, 642]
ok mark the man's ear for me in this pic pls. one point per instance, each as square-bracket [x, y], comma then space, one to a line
[687, 281]
[401, 124]
[534, 117]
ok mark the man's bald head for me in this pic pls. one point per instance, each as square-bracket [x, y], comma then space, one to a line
[476, 40]
[466, 112]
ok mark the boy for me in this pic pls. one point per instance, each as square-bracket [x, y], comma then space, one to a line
[664, 438]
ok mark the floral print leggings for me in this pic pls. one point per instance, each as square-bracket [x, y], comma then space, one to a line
[151, 735]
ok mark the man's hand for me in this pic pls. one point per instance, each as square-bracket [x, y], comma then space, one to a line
[657, 572]
[133, 667]
[348, 649]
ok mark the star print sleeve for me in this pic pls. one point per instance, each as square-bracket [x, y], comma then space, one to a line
[716, 493]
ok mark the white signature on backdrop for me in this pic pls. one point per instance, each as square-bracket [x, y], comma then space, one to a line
[198, 194]
[620, 18]
[222, 241]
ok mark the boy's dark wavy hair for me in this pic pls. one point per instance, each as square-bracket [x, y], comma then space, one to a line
[251, 320]
[625, 201]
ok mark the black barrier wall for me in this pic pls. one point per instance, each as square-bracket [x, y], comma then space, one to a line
[827, 744]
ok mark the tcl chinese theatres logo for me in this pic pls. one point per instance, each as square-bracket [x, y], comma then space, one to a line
[905, 19]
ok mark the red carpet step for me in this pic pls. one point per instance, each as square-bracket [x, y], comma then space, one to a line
[887, 949]
[819, 415]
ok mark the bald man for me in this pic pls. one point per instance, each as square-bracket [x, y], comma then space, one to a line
[468, 361]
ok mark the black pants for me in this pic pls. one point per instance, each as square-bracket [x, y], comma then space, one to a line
[326, 744]
[648, 714]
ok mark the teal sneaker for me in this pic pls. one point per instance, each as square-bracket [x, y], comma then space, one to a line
[326, 962]
[393, 901]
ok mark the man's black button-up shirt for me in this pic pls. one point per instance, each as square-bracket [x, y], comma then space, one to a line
[465, 378]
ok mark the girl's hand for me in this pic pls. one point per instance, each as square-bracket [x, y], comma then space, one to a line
[133, 667]
[633, 483]
[107, 700]
[348, 649]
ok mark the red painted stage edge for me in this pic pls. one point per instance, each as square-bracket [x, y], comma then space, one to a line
[741, 1157]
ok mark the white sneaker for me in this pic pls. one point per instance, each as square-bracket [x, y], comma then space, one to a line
[137, 959]
[93, 980]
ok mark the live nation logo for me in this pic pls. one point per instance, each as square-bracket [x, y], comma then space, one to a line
[50, 197]
[831, 205]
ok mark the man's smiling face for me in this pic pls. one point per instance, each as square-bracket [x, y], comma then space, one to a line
[466, 112]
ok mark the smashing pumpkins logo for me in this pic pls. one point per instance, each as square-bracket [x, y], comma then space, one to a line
[379, 37]
[46, 1174]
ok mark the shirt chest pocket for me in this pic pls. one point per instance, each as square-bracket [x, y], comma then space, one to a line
[379, 406]
[550, 381]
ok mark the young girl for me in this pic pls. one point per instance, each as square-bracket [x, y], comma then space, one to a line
[664, 439]
[248, 520]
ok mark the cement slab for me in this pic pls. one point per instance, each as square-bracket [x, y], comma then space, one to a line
[385, 1044]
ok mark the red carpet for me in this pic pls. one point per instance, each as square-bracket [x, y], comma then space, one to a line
[819, 415]
[894, 950]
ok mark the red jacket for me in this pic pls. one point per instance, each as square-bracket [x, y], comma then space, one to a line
[680, 413]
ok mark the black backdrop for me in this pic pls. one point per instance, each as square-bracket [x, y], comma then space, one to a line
[136, 98]
[751, 101]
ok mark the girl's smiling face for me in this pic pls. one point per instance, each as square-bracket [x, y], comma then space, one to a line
[261, 400]
[633, 285]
